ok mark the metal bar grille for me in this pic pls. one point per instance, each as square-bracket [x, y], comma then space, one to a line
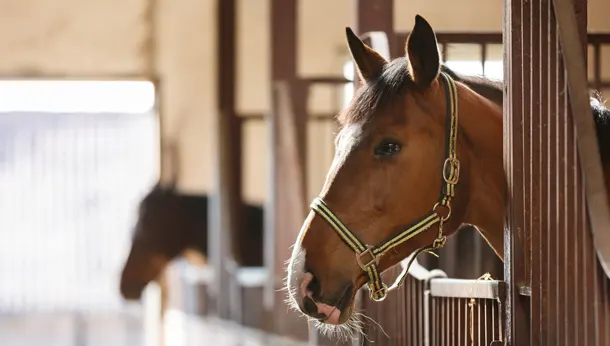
[466, 312]
[432, 310]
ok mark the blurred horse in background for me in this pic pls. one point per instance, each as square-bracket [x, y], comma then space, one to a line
[171, 223]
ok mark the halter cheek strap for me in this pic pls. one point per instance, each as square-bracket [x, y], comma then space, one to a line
[367, 256]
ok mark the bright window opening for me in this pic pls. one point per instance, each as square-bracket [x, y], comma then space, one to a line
[75, 159]
[126, 97]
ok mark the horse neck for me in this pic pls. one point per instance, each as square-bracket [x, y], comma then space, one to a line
[481, 135]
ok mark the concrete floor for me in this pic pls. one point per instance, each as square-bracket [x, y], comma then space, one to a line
[186, 331]
[62, 329]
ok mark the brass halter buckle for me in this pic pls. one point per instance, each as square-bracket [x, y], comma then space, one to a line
[451, 162]
[383, 290]
[374, 259]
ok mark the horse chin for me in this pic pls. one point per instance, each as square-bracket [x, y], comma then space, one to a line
[348, 327]
[132, 293]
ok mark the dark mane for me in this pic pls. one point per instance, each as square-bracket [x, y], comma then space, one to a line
[394, 81]
[381, 92]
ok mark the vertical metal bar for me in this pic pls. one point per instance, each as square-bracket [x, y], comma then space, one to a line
[478, 326]
[493, 321]
[459, 317]
[466, 322]
[451, 329]
[554, 182]
[485, 317]
[427, 324]
[419, 315]
[446, 321]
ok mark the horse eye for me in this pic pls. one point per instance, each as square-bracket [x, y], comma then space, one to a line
[387, 148]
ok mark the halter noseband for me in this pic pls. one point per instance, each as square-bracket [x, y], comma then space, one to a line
[451, 173]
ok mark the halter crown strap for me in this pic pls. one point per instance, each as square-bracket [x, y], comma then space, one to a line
[368, 256]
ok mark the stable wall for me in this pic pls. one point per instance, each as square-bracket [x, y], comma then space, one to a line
[175, 41]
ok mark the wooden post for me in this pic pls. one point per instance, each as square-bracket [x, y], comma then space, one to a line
[557, 293]
[226, 199]
[376, 15]
[286, 208]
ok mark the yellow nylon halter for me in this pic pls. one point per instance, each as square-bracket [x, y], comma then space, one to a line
[451, 172]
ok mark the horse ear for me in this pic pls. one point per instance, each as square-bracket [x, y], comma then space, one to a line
[422, 52]
[369, 63]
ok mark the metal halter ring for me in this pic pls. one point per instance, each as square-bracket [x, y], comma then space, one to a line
[443, 218]
[383, 289]
[454, 163]
[374, 259]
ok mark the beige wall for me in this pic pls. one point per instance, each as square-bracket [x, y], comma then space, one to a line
[47, 37]
[95, 37]
[186, 63]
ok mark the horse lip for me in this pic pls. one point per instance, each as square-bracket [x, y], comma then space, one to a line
[346, 299]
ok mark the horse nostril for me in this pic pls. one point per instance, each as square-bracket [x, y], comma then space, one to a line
[311, 308]
[314, 287]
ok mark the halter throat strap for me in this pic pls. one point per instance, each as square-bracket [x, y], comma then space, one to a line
[368, 256]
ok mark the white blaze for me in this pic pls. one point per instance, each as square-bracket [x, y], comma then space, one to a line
[348, 138]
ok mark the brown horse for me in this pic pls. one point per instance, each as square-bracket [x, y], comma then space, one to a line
[397, 151]
[171, 223]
